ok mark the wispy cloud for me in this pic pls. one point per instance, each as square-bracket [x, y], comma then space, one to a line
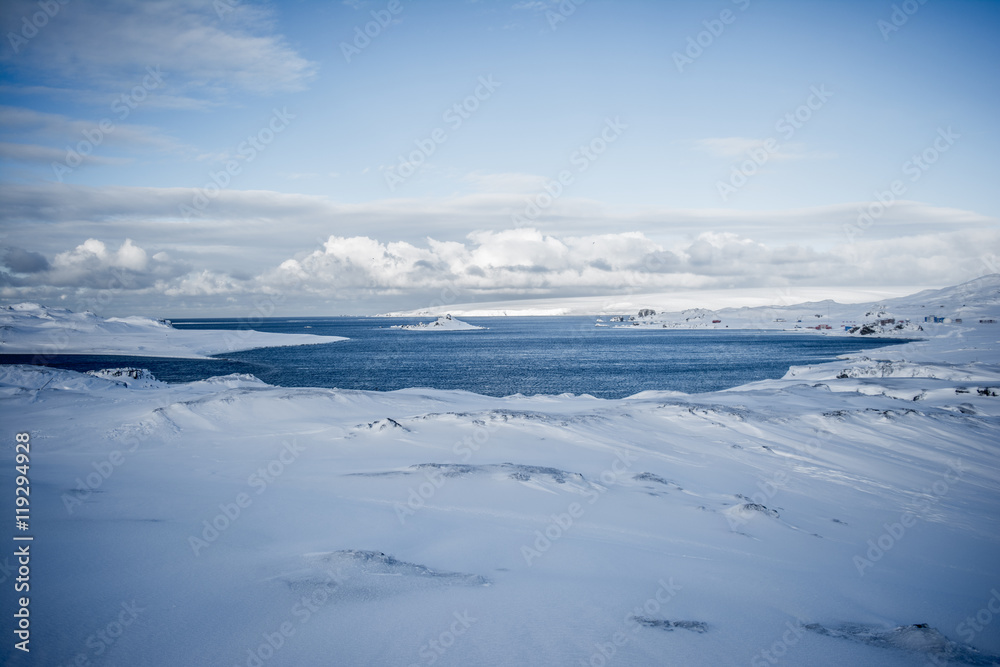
[35, 154]
[49, 131]
[204, 56]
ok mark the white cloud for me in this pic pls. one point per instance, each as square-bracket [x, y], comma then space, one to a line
[72, 238]
[92, 264]
[94, 254]
[378, 275]
[150, 216]
[202, 283]
[526, 261]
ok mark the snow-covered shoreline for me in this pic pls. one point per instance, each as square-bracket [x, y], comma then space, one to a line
[847, 513]
[29, 328]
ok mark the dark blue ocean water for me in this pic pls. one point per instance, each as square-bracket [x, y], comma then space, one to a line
[527, 355]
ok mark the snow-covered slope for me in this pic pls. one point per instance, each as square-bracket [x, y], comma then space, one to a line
[28, 328]
[908, 316]
[674, 301]
[444, 323]
[847, 514]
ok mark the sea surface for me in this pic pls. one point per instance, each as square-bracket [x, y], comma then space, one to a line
[526, 355]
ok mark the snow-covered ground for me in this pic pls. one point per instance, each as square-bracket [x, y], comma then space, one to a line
[847, 514]
[930, 312]
[29, 328]
[444, 323]
[676, 300]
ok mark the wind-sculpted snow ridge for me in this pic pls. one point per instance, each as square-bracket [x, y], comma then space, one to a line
[498, 416]
[29, 328]
[368, 573]
[926, 642]
[670, 626]
[517, 472]
[383, 425]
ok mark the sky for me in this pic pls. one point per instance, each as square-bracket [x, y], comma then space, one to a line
[245, 158]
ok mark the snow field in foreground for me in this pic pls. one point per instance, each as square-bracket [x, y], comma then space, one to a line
[846, 514]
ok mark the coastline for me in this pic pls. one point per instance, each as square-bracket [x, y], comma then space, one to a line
[853, 502]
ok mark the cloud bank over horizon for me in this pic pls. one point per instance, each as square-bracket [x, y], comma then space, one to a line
[346, 274]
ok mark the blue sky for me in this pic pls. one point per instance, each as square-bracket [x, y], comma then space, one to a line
[702, 145]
